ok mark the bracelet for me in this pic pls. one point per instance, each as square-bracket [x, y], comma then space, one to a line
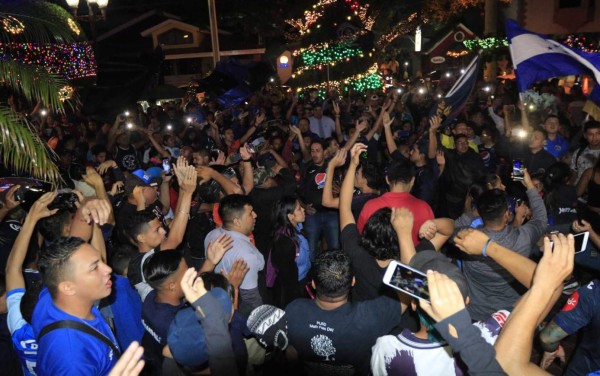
[247, 160]
[484, 250]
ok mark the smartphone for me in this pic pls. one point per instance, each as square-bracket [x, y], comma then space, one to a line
[407, 280]
[518, 174]
[581, 240]
[166, 164]
[250, 149]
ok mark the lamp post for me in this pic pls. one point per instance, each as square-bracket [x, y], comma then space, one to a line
[91, 17]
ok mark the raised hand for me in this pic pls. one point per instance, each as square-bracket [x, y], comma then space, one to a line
[556, 263]
[39, 209]
[245, 153]
[356, 151]
[9, 200]
[339, 159]
[336, 108]
[446, 299]
[188, 180]
[440, 158]
[402, 220]
[192, 287]
[138, 194]
[434, 123]
[387, 121]
[97, 210]
[104, 166]
[217, 248]
[93, 178]
[361, 125]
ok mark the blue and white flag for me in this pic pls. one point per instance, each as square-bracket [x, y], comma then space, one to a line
[456, 98]
[536, 57]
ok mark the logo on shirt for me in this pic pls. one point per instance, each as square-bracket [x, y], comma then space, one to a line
[323, 346]
[557, 148]
[320, 179]
[500, 317]
[572, 302]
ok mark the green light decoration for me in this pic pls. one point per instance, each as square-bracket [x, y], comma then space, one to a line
[486, 43]
[338, 52]
[369, 82]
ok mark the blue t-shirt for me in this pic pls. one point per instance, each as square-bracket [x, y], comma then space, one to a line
[558, 148]
[21, 332]
[583, 310]
[156, 318]
[69, 351]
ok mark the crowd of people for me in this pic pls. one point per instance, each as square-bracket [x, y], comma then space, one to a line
[255, 239]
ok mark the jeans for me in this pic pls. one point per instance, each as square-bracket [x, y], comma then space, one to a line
[322, 223]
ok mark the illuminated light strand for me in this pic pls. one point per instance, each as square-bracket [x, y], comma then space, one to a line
[337, 52]
[368, 80]
[402, 28]
[456, 54]
[74, 27]
[486, 43]
[69, 60]
[12, 25]
[66, 93]
[580, 43]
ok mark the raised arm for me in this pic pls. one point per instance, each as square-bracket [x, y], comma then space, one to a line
[188, 180]
[159, 148]
[14, 264]
[338, 125]
[339, 159]
[389, 137]
[402, 220]
[345, 201]
[9, 202]
[513, 347]
[434, 124]
[248, 173]
[473, 242]
[290, 110]
[303, 147]
[206, 174]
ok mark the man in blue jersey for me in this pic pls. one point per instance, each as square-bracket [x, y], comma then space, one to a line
[76, 277]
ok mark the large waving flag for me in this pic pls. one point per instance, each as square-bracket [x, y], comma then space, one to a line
[455, 100]
[536, 57]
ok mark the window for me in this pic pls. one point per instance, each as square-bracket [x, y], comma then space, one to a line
[175, 37]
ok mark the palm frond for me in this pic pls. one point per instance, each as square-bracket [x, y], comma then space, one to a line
[33, 82]
[38, 22]
[22, 149]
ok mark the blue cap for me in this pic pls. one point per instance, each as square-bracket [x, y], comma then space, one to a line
[186, 338]
[146, 177]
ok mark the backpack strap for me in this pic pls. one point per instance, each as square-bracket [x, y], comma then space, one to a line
[71, 324]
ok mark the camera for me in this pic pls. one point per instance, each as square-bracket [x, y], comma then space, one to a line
[64, 201]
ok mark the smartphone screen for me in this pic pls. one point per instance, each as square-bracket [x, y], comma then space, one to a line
[407, 280]
[166, 166]
[581, 240]
[518, 170]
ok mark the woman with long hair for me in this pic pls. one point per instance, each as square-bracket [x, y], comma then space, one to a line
[289, 258]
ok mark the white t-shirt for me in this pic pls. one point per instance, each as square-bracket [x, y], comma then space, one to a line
[408, 355]
[323, 127]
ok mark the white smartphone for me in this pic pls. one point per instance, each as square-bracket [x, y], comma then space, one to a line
[581, 240]
[407, 280]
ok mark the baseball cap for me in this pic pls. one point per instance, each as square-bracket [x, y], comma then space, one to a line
[260, 175]
[142, 178]
[432, 260]
[269, 326]
[186, 338]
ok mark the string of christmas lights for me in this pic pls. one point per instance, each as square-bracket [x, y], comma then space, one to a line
[456, 54]
[338, 52]
[486, 43]
[12, 25]
[69, 60]
[359, 82]
[580, 43]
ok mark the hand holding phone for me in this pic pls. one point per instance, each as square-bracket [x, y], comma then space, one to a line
[517, 173]
[407, 280]
[445, 295]
[166, 164]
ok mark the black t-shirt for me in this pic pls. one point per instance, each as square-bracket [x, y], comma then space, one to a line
[312, 184]
[339, 341]
[359, 201]
[369, 275]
